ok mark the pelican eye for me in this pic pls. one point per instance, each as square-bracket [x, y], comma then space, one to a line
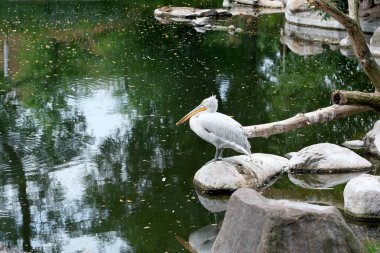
[208, 131]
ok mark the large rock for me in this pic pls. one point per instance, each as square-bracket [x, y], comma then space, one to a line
[372, 140]
[236, 172]
[362, 197]
[327, 158]
[256, 224]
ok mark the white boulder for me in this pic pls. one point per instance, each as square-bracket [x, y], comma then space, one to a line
[362, 197]
[235, 172]
[327, 158]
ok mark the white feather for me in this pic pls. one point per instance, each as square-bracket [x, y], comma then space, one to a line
[220, 130]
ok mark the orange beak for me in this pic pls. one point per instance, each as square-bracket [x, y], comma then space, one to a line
[190, 114]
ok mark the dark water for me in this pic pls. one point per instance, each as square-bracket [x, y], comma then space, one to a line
[90, 157]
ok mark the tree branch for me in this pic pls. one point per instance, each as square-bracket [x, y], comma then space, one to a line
[301, 120]
[344, 97]
[355, 33]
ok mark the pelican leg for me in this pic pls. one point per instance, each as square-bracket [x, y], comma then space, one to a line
[218, 154]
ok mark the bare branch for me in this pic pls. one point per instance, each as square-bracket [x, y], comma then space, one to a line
[301, 120]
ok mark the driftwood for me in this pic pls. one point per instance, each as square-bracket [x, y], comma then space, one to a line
[343, 97]
[185, 244]
[301, 120]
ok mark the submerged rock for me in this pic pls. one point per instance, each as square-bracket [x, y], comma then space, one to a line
[362, 197]
[356, 144]
[255, 224]
[327, 158]
[236, 172]
[372, 140]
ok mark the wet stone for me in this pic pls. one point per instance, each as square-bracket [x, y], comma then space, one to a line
[327, 158]
[235, 172]
[362, 197]
[256, 224]
[356, 144]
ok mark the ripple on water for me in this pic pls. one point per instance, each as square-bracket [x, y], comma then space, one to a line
[22, 152]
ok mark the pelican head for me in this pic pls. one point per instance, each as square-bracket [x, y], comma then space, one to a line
[209, 105]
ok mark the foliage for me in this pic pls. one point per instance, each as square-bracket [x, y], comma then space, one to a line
[372, 245]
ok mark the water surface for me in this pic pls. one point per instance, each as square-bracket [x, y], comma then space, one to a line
[90, 157]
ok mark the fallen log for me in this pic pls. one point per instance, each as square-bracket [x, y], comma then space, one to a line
[344, 97]
[301, 120]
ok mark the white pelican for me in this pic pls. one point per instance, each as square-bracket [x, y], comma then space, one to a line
[216, 128]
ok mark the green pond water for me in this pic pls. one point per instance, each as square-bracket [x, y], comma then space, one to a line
[90, 157]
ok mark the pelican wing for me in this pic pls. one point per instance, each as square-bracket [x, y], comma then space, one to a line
[226, 129]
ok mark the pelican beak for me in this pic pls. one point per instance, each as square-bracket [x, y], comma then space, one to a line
[191, 114]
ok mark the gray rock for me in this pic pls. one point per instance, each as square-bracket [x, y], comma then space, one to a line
[255, 224]
[375, 42]
[356, 144]
[372, 140]
[236, 172]
[202, 21]
[362, 197]
[327, 158]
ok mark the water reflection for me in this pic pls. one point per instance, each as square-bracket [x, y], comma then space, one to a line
[203, 239]
[90, 158]
[321, 181]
